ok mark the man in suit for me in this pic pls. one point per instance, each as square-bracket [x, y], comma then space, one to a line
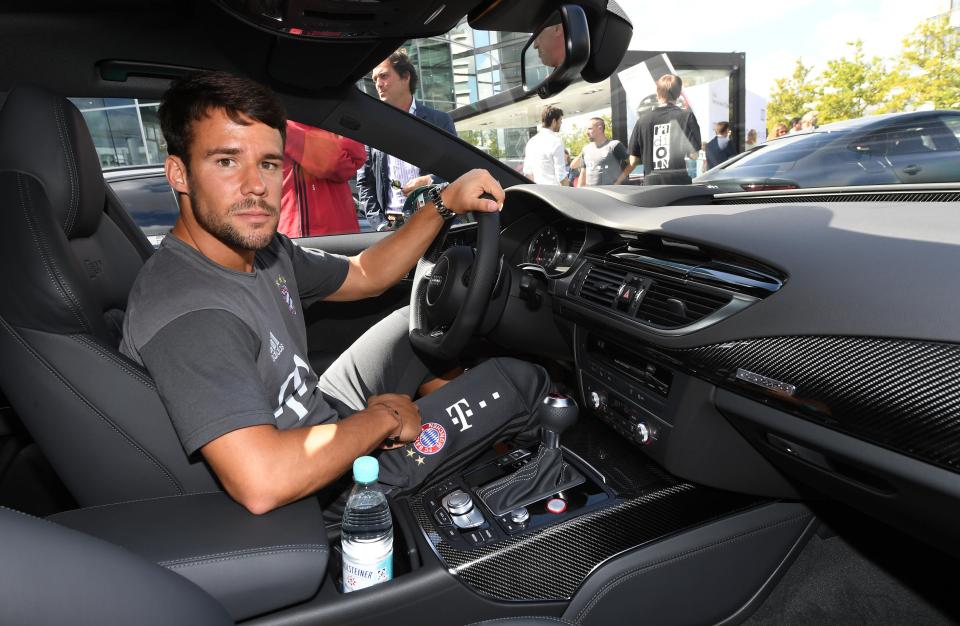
[720, 148]
[384, 182]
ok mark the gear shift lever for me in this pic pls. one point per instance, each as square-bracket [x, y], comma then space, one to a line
[557, 413]
[545, 475]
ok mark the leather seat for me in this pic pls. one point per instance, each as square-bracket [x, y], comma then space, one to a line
[70, 254]
[53, 575]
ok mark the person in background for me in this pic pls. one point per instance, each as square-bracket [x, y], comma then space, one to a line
[809, 120]
[794, 125]
[778, 131]
[543, 160]
[604, 161]
[751, 139]
[663, 138]
[317, 166]
[573, 168]
[720, 148]
[384, 182]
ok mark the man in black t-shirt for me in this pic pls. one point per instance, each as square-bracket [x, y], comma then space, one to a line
[663, 137]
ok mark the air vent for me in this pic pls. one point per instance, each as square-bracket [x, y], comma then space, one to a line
[601, 284]
[669, 304]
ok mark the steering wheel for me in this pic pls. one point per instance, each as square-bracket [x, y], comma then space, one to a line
[451, 289]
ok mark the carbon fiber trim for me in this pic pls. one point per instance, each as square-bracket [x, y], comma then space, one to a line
[932, 196]
[901, 394]
[550, 564]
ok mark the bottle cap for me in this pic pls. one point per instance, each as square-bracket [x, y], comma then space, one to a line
[366, 469]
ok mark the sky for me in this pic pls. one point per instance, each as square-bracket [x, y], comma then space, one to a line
[773, 33]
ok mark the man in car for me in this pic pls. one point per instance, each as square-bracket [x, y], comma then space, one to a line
[385, 181]
[663, 137]
[217, 318]
[551, 44]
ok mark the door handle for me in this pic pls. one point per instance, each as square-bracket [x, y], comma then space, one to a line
[912, 169]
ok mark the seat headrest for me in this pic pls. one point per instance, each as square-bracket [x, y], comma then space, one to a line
[45, 136]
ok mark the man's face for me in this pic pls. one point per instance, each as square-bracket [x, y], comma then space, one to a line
[550, 46]
[721, 131]
[594, 131]
[391, 88]
[556, 124]
[235, 180]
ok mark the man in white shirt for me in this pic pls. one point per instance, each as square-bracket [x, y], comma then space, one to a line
[543, 160]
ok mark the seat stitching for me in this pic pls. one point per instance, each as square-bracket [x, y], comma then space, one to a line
[523, 473]
[123, 502]
[97, 412]
[677, 557]
[106, 355]
[523, 617]
[237, 557]
[52, 273]
[265, 550]
[64, 136]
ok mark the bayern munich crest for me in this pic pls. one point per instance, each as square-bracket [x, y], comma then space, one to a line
[431, 439]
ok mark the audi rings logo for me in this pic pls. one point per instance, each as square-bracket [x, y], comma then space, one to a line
[437, 277]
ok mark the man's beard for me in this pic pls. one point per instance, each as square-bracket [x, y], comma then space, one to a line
[225, 231]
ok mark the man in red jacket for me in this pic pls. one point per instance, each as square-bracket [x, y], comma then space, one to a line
[316, 197]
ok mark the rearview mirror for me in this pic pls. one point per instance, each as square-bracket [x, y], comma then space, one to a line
[556, 53]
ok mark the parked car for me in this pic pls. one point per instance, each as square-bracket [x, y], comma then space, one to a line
[919, 147]
[152, 203]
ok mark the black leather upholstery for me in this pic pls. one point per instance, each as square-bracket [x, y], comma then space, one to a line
[54, 575]
[251, 564]
[70, 254]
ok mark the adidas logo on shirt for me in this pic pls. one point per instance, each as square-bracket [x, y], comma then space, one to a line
[275, 347]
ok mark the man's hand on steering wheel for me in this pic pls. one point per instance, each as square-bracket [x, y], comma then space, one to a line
[464, 194]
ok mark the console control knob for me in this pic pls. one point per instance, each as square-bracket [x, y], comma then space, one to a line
[641, 433]
[519, 516]
[597, 400]
[458, 502]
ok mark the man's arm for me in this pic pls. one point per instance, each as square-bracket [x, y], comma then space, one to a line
[385, 263]
[204, 364]
[582, 178]
[559, 165]
[263, 468]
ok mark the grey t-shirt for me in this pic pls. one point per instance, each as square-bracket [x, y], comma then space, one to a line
[228, 349]
[604, 164]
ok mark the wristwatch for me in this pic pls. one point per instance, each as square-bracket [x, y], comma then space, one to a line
[433, 195]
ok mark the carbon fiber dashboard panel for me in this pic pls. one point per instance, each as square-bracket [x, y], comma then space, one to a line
[552, 562]
[903, 395]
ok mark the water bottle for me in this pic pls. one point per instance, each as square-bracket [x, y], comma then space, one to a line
[366, 534]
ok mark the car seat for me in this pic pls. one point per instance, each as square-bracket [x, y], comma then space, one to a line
[71, 255]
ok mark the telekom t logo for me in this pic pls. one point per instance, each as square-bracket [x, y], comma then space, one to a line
[462, 409]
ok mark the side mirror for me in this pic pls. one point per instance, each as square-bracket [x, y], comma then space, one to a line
[556, 53]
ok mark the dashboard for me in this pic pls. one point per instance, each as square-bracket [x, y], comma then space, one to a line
[727, 337]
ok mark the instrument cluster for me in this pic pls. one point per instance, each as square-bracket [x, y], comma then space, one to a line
[555, 247]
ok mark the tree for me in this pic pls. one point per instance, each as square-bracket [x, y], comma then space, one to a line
[848, 88]
[792, 96]
[928, 69]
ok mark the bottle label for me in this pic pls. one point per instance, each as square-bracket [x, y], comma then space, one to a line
[362, 574]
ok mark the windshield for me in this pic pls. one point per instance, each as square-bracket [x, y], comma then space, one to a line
[856, 93]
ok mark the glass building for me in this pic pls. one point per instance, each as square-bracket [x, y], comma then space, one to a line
[125, 131]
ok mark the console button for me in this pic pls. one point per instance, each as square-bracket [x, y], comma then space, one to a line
[556, 505]
[486, 534]
[443, 518]
[449, 532]
[474, 538]
[519, 516]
